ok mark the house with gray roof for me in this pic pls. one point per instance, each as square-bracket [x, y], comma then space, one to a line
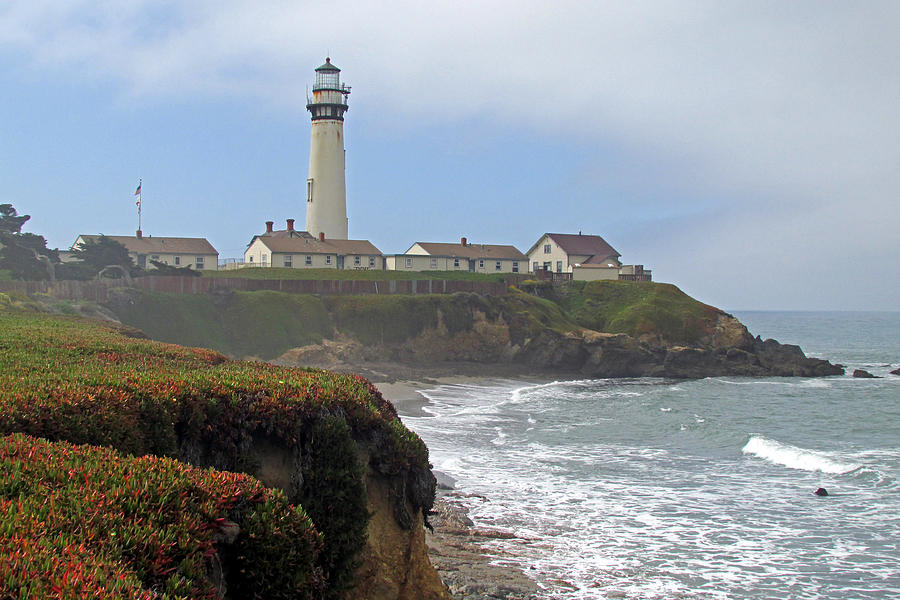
[293, 249]
[464, 256]
[196, 253]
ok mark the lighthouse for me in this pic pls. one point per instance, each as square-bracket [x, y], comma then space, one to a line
[326, 190]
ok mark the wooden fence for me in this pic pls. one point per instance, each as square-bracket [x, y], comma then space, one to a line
[98, 291]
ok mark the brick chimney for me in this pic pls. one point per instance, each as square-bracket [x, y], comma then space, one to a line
[290, 224]
[139, 234]
[463, 241]
[321, 236]
[269, 226]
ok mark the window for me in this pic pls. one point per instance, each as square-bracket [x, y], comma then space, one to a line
[547, 248]
[515, 266]
[251, 259]
[480, 263]
[264, 259]
[177, 260]
[535, 266]
[409, 263]
[559, 266]
[548, 265]
[198, 262]
[327, 259]
[371, 261]
[433, 263]
[456, 263]
[309, 189]
[288, 261]
[307, 260]
[356, 261]
[497, 267]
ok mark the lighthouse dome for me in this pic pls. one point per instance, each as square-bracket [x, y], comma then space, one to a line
[328, 66]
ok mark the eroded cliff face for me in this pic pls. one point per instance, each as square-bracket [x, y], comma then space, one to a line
[725, 348]
[395, 563]
[600, 329]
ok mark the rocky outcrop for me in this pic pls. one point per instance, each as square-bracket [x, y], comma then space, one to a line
[624, 329]
[617, 355]
[587, 353]
[863, 374]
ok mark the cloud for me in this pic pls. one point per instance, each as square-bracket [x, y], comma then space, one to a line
[785, 113]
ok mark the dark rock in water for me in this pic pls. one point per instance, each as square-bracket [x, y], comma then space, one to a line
[444, 481]
[864, 374]
[895, 371]
[821, 492]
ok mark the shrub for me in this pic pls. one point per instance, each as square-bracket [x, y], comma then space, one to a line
[88, 522]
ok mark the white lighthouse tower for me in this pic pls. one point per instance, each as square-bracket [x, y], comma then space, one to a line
[326, 190]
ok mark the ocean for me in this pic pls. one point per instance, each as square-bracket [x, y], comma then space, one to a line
[654, 488]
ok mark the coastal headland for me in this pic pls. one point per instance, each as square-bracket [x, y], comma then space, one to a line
[589, 329]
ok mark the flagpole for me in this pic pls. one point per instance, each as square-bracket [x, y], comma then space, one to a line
[140, 200]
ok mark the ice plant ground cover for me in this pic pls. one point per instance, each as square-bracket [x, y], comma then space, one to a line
[71, 379]
[89, 522]
[81, 382]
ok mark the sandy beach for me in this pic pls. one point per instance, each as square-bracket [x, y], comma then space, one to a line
[456, 546]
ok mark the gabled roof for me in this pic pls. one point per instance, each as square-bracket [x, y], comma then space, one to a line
[301, 242]
[159, 245]
[476, 251]
[592, 246]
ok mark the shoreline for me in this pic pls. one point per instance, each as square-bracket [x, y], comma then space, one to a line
[456, 545]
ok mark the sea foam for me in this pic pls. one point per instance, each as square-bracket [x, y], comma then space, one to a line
[794, 457]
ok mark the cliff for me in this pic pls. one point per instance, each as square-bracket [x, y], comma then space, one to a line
[596, 329]
[333, 446]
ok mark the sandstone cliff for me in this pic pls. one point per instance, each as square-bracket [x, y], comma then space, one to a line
[536, 335]
[596, 329]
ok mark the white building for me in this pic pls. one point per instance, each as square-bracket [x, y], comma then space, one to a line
[326, 191]
[475, 258]
[196, 253]
[586, 257]
[292, 249]
[563, 252]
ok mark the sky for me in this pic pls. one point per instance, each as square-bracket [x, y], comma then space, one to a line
[748, 152]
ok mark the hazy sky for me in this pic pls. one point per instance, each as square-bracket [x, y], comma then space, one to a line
[748, 152]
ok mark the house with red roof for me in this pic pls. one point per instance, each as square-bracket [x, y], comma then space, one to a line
[586, 257]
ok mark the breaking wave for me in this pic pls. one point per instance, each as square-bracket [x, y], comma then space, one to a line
[794, 457]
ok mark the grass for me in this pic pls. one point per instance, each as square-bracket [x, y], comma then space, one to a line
[638, 309]
[266, 323]
[263, 324]
[351, 274]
